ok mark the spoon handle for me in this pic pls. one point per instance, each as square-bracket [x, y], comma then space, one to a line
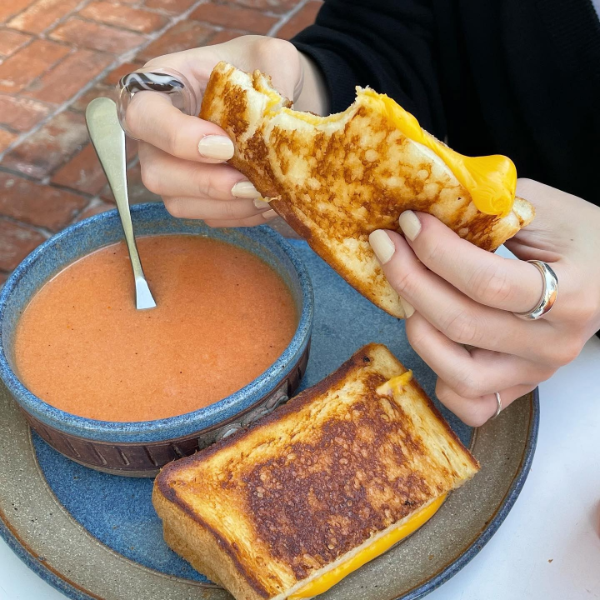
[108, 139]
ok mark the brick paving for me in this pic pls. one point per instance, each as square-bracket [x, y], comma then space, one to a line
[56, 56]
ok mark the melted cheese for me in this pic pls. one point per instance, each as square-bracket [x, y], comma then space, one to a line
[395, 384]
[273, 97]
[490, 180]
[376, 548]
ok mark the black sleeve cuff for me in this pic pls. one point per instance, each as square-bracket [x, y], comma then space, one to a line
[339, 77]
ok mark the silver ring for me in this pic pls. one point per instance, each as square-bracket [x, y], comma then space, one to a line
[499, 402]
[549, 292]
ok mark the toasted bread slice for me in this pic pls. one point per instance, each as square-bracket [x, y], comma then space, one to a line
[273, 508]
[337, 179]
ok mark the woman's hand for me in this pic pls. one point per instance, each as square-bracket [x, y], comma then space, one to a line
[183, 157]
[465, 296]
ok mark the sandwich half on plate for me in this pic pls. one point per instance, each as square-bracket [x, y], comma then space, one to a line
[342, 472]
[336, 179]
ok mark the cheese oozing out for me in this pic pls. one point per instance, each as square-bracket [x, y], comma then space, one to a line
[490, 180]
[383, 543]
[395, 384]
[376, 548]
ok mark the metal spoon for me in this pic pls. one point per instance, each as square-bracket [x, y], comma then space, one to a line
[108, 139]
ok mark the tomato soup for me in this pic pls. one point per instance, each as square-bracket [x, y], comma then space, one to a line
[223, 317]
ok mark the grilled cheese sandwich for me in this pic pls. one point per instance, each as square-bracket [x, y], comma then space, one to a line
[336, 179]
[318, 488]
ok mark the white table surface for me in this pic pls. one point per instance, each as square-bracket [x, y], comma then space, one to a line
[549, 545]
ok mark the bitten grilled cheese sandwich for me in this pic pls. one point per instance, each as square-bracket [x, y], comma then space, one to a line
[326, 483]
[336, 179]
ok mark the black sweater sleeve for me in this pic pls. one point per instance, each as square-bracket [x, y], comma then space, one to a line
[513, 77]
[386, 44]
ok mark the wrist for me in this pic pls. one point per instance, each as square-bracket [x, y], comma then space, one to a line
[311, 93]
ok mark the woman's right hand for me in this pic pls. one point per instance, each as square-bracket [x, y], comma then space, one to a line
[183, 157]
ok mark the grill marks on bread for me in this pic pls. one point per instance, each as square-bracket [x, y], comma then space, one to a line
[313, 510]
[339, 463]
[337, 179]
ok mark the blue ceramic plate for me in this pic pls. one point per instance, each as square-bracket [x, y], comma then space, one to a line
[94, 535]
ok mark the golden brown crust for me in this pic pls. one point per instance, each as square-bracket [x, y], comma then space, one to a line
[293, 405]
[200, 545]
[312, 481]
[449, 431]
[338, 179]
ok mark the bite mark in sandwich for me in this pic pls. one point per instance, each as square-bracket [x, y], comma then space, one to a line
[336, 179]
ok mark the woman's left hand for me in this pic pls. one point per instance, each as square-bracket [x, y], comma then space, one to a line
[465, 296]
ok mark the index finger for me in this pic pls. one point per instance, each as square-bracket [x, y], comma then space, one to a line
[487, 278]
[152, 118]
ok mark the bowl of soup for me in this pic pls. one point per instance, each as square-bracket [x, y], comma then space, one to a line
[125, 391]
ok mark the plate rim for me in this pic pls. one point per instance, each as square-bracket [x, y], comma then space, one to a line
[73, 591]
[514, 491]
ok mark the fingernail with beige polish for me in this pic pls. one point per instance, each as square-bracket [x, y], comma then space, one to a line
[410, 224]
[244, 189]
[216, 146]
[269, 214]
[382, 246]
[408, 308]
[261, 204]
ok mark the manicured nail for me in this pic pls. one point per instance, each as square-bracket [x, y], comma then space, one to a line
[409, 309]
[269, 214]
[216, 146]
[244, 189]
[260, 203]
[410, 224]
[382, 245]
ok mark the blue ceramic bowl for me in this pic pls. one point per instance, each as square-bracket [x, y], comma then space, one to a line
[141, 448]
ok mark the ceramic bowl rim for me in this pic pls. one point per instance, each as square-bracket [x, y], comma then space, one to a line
[171, 427]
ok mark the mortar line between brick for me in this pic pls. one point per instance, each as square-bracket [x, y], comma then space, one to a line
[56, 23]
[88, 20]
[20, 48]
[5, 169]
[72, 50]
[88, 205]
[93, 198]
[41, 230]
[24, 135]
[119, 59]
[18, 14]
[18, 94]
[64, 188]
[129, 55]
[286, 17]
[45, 182]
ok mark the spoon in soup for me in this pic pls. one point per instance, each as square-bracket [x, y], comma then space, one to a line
[108, 139]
